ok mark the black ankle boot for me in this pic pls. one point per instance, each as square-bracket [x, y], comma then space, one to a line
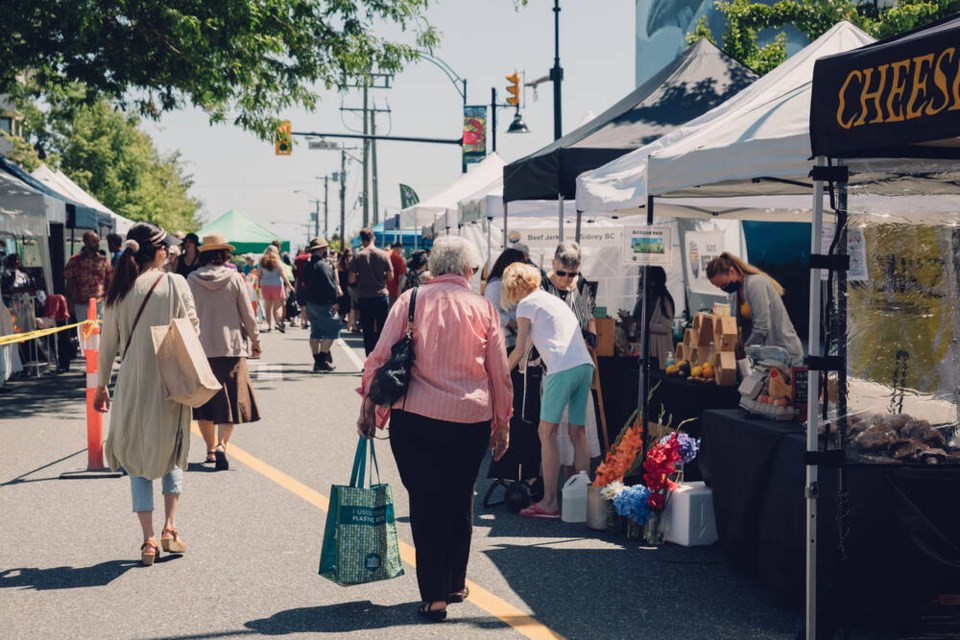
[318, 362]
[327, 363]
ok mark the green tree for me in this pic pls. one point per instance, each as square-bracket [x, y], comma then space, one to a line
[104, 152]
[239, 60]
[746, 19]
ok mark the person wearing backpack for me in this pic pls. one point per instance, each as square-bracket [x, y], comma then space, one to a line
[321, 291]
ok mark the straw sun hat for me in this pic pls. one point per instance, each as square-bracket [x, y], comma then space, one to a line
[215, 242]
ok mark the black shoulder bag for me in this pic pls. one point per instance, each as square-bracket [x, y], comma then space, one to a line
[390, 381]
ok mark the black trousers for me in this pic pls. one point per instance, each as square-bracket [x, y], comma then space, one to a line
[373, 315]
[438, 463]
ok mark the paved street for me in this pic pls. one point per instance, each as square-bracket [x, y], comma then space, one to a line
[69, 559]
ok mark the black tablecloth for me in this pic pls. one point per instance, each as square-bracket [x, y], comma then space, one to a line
[903, 543]
[620, 378]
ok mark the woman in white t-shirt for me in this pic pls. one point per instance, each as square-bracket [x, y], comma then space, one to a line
[548, 323]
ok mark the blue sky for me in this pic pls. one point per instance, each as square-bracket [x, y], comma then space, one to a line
[482, 42]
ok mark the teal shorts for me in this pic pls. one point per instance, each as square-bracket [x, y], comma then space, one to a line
[569, 387]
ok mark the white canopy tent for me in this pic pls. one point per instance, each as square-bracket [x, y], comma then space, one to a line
[62, 184]
[762, 132]
[25, 213]
[424, 213]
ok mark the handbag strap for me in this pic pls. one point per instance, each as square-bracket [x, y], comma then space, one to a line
[411, 310]
[136, 319]
[373, 458]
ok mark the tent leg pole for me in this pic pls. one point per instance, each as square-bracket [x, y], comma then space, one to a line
[579, 219]
[489, 244]
[644, 390]
[560, 215]
[505, 205]
[813, 393]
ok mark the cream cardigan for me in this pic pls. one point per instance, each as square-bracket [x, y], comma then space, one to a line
[149, 434]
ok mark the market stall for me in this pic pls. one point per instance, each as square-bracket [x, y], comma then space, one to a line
[242, 232]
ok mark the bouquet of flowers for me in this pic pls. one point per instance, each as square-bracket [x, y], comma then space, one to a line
[622, 454]
[633, 502]
[689, 446]
[661, 462]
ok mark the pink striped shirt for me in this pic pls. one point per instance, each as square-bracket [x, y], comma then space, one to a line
[460, 372]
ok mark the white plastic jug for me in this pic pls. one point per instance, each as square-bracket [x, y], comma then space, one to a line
[575, 498]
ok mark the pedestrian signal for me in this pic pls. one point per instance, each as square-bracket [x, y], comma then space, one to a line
[283, 139]
[513, 89]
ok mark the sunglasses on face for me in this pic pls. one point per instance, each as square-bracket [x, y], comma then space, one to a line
[565, 274]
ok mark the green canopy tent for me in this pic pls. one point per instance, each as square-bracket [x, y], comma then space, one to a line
[242, 232]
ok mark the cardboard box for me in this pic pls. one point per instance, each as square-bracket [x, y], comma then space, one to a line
[606, 332]
[688, 518]
[725, 368]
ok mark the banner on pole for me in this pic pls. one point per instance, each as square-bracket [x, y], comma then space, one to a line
[408, 197]
[647, 245]
[699, 248]
[474, 134]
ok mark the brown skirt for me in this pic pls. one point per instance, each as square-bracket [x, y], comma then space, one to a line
[235, 402]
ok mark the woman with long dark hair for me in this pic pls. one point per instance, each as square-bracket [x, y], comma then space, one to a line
[149, 434]
[660, 310]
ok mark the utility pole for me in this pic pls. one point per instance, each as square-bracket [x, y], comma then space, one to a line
[343, 198]
[326, 208]
[373, 166]
[366, 160]
[316, 217]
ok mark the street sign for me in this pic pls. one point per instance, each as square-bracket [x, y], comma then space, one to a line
[322, 145]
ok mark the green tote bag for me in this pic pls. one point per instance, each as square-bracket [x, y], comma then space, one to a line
[360, 538]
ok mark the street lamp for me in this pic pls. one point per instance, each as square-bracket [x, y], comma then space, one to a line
[556, 73]
[517, 126]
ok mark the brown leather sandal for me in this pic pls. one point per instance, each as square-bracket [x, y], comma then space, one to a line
[149, 552]
[172, 543]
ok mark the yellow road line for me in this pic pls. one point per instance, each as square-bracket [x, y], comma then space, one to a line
[486, 600]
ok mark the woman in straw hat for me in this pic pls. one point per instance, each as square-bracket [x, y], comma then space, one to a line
[227, 323]
[149, 434]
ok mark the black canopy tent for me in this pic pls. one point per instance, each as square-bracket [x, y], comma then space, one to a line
[688, 87]
[884, 119]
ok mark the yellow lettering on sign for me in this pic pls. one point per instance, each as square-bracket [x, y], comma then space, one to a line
[843, 101]
[898, 86]
[920, 77]
[940, 82]
[866, 95]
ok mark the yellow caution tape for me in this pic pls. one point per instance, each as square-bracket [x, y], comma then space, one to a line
[16, 338]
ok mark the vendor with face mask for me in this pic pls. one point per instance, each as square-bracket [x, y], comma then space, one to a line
[755, 299]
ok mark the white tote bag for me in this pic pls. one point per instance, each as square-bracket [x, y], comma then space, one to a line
[184, 368]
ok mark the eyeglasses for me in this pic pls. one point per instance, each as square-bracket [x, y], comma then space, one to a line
[565, 274]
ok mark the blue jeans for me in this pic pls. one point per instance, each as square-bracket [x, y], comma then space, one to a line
[373, 315]
[142, 489]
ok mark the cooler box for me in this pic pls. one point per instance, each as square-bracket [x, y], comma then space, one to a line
[688, 518]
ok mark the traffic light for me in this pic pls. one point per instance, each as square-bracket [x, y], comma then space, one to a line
[513, 89]
[283, 139]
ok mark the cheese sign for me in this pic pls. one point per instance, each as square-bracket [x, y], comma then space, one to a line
[889, 98]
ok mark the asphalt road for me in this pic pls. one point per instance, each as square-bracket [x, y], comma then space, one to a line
[69, 549]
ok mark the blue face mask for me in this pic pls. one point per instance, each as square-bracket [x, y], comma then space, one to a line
[731, 287]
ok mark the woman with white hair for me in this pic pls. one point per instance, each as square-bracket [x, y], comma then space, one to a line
[458, 403]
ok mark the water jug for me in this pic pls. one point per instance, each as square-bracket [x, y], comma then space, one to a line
[575, 498]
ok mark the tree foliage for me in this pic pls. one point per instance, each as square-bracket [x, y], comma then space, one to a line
[105, 152]
[745, 20]
[244, 60]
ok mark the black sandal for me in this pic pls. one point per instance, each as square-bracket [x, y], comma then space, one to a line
[458, 596]
[434, 615]
[221, 459]
[211, 457]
